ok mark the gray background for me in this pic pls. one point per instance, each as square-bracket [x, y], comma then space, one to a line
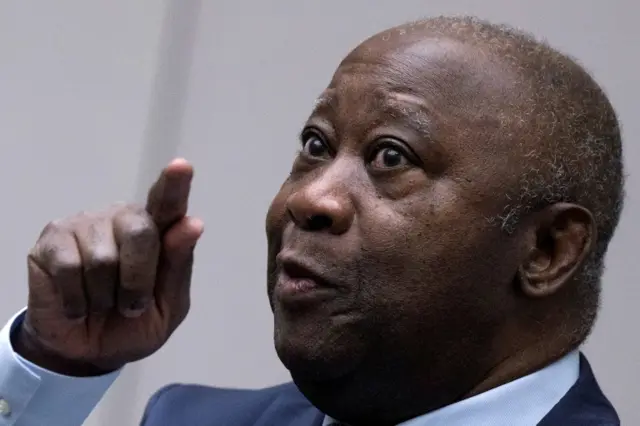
[96, 96]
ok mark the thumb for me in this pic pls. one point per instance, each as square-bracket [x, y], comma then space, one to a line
[180, 240]
[173, 281]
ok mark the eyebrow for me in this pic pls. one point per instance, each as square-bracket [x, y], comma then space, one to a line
[411, 109]
[413, 114]
[323, 101]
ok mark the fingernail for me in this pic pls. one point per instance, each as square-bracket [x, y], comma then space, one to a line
[135, 309]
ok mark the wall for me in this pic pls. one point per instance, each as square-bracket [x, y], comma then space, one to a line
[77, 86]
[234, 82]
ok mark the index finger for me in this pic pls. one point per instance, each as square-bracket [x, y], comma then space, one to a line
[168, 198]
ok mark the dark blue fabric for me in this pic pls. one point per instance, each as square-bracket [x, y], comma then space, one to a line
[192, 405]
[284, 405]
[584, 404]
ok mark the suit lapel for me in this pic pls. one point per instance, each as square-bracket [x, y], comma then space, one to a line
[583, 405]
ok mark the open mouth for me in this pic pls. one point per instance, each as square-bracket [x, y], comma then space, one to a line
[298, 283]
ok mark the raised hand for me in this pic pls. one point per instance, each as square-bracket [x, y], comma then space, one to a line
[109, 288]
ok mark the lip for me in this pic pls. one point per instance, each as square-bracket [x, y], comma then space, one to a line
[300, 283]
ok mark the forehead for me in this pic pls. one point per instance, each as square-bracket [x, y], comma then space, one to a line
[445, 76]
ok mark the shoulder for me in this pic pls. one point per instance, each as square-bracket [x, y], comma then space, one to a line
[193, 395]
[196, 404]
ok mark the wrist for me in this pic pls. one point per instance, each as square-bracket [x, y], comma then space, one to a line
[29, 348]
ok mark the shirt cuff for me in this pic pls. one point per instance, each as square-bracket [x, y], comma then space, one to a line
[31, 395]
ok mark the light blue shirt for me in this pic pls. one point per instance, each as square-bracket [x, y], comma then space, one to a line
[32, 396]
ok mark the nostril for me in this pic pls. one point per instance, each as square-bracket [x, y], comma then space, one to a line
[319, 222]
[314, 222]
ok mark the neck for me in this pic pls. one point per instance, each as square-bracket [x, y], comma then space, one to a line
[372, 403]
[518, 364]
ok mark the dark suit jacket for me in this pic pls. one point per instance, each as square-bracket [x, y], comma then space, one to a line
[284, 405]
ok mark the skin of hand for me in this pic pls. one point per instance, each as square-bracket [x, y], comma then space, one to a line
[109, 288]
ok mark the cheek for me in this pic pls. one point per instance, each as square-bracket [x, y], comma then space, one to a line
[435, 285]
[429, 220]
[428, 254]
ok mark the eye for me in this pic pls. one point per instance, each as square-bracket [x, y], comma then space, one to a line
[389, 157]
[313, 145]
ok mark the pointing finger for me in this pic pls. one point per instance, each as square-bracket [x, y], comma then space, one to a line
[168, 198]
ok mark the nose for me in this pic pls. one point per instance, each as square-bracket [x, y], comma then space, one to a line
[320, 208]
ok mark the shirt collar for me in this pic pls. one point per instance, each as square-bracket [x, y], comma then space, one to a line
[524, 401]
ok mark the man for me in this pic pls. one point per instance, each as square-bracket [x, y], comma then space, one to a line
[434, 257]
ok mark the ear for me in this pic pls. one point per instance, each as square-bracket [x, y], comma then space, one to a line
[560, 237]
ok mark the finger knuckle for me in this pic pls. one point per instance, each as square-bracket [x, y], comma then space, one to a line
[60, 260]
[53, 227]
[102, 257]
[141, 229]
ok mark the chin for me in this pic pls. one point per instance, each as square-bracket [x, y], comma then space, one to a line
[317, 350]
[336, 381]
